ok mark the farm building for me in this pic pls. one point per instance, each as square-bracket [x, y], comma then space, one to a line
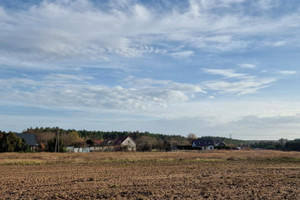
[30, 140]
[125, 143]
[204, 144]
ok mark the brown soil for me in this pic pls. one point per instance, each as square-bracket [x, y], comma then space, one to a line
[170, 177]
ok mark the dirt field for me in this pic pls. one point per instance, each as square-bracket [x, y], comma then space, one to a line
[217, 175]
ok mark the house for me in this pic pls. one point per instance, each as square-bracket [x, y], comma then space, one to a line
[30, 140]
[125, 143]
[204, 144]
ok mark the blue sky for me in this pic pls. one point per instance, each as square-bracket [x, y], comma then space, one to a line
[208, 67]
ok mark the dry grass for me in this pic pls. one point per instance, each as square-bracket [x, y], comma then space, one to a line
[52, 158]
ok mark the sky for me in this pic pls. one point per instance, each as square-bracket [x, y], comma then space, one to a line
[208, 67]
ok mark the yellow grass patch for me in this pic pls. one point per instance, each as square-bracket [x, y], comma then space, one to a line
[95, 157]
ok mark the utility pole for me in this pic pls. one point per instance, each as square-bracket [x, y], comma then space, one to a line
[55, 147]
[231, 143]
[56, 141]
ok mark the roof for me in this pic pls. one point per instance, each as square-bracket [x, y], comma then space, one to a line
[98, 142]
[222, 144]
[29, 138]
[203, 142]
[120, 140]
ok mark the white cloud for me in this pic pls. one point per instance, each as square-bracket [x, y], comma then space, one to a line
[161, 106]
[288, 72]
[70, 35]
[239, 84]
[65, 90]
[248, 66]
[228, 73]
[279, 43]
[69, 90]
[182, 54]
[61, 31]
[239, 87]
[66, 77]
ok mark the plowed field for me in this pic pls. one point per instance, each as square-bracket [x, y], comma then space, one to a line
[162, 176]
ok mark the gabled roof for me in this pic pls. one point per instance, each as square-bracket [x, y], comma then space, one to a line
[203, 142]
[120, 140]
[29, 138]
[222, 144]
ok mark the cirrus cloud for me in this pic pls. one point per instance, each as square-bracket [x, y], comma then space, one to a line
[49, 31]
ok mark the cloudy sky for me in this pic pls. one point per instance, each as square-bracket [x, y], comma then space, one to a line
[209, 67]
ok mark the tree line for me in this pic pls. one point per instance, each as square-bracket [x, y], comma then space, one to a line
[56, 139]
[282, 144]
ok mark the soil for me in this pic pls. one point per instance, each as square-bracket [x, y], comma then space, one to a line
[153, 179]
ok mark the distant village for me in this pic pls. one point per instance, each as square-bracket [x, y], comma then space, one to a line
[60, 140]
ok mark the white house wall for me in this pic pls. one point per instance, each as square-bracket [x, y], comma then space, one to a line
[129, 143]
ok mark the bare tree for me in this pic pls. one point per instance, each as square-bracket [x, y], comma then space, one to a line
[191, 137]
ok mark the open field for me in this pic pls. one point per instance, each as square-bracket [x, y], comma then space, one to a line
[176, 175]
